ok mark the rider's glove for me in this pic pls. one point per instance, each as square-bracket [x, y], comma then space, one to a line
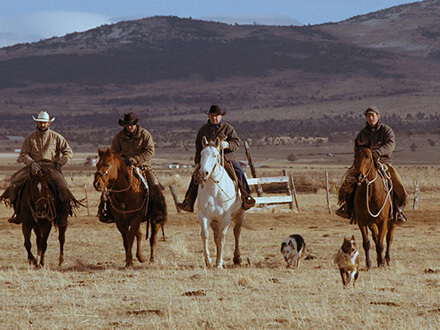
[35, 167]
[129, 161]
[224, 145]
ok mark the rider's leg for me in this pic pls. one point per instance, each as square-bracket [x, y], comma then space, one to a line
[345, 194]
[400, 195]
[156, 197]
[248, 200]
[190, 197]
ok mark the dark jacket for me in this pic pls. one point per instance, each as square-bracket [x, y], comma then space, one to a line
[138, 146]
[382, 138]
[225, 132]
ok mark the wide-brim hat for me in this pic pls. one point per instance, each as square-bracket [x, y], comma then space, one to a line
[372, 109]
[129, 119]
[215, 110]
[44, 117]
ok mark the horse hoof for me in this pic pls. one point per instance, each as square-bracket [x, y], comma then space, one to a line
[141, 258]
[151, 260]
[237, 260]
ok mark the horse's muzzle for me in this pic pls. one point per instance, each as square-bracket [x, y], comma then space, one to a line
[98, 185]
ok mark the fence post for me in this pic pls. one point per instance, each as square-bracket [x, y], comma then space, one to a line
[173, 193]
[251, 165]
[87, 199]
[416, 195]
[289, 191]
[327, 193]
[292, 185]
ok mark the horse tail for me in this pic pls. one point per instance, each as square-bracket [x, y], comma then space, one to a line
[147, 231]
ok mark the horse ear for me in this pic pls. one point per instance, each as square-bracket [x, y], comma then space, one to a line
[100, 152]
[204, 141]
[352, 238]
[217, 142]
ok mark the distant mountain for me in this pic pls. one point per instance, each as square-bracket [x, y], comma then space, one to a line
[170, 70]
[411, 29]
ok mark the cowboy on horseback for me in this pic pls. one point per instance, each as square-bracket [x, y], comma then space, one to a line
[43, 150]
[136, 147]
[217, 128]
[382, 140]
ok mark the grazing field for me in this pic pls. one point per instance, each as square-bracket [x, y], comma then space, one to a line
[92, 290]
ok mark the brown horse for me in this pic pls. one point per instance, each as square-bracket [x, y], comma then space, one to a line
[39, 208]
[372, 205]
[128, 202]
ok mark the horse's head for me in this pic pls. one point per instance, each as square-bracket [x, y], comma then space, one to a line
[209, 158]
[106, 169]
[363, 161]
[41, 198]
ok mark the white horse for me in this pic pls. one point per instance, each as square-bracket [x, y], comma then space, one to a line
[219, 202]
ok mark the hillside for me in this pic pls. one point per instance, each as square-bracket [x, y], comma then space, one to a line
[273, 80]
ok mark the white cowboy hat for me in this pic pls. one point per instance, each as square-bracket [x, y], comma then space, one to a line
[44, 117]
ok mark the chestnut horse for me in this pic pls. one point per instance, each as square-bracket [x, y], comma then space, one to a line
[372, 205]
[128, 202]
[39, 208]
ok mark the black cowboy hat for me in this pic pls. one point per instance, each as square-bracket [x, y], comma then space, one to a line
[215, 110]
[129, 119]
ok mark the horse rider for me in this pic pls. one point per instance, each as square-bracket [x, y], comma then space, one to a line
[382, 141]
[217, 128]
[135, 145]
[43, 151]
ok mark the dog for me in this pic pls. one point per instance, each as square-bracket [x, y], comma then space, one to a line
[292, 249]
[347, 259]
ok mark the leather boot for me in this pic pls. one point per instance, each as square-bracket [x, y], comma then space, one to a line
[103, 212]
[346, 210]
[190, 198]
[14, 219]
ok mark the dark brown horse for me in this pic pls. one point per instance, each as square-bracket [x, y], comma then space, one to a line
[129, 205]
[372, 205]
[39, 209]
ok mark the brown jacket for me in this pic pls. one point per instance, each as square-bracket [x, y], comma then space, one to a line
[225, 132]
[47, 147]
[138, 146]
[382, 138]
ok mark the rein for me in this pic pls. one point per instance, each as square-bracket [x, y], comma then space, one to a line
[367, 195]
[50, 213]
[216, 182]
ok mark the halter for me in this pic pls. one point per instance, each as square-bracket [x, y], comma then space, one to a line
[105, 173]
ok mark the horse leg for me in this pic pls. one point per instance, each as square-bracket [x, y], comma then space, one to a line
[365, 243]
[61, 239]
[27, 230]
[237, 230]
[219, 237]
[44, 231]
[204, 233]
[124, 230]
[390, 235]
[379, 244]
[163, 232]
[153, 239]
[38, 234]
[139, 254]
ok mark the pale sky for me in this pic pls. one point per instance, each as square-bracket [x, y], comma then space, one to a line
[32, 20]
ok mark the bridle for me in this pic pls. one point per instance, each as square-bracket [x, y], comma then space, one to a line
[106, 192]
[49, 209]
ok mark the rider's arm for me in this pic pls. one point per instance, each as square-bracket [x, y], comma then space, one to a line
[147, 147]
[233, 139]
[65, 150]
[388, 142]
[25, 153]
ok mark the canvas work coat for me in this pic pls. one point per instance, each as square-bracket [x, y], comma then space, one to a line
[138, 146]
[48, 147]
[225, 132]
[382, 138]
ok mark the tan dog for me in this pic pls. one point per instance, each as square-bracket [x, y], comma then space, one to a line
[347, 259]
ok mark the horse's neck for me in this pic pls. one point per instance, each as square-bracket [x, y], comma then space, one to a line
[220, 180]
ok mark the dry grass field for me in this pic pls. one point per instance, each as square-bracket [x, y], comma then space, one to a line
[92, 290]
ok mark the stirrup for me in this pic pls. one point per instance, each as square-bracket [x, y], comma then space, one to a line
[14, 219]
[343, 212]
[248, 202]
[400, 217]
